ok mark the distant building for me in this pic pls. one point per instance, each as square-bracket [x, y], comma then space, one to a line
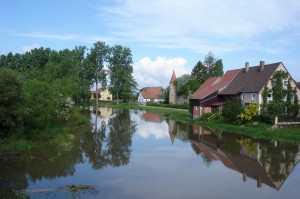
[152, 94]
[103, 95]
[172, 89]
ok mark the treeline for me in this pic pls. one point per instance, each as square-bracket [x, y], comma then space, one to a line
[44, 86]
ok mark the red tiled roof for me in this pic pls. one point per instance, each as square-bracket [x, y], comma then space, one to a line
[214, 84]
[153, 93]
[173, 78]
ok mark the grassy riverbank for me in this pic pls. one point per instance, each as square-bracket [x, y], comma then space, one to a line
[256, 130]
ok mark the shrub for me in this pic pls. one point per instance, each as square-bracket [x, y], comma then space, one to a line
[249, 112]
[231, 109]
[266, 118]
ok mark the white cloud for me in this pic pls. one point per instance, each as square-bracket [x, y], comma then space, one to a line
[158, 72]
[148, 129]
[30, 47]
[198, 25]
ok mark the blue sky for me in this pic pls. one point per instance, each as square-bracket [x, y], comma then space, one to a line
[163, 35]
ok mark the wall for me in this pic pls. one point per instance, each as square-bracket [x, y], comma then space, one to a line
[172, 94]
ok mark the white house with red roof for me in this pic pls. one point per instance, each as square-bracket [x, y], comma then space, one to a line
[152, 94]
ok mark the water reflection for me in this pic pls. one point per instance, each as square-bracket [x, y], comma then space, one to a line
[268, 162]
[110, 143]
[107, 145]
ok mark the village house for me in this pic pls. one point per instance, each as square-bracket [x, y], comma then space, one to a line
[152, 94]
[103, 95]
[246, 83]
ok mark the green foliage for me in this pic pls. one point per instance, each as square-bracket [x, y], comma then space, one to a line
[231, 109]
[249, 113]
[122, 84]
[211, 67]
[11, 100]
[276, 108]
[185, 85]
[265, 118]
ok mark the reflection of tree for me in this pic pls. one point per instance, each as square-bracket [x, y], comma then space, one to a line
[92, 144]
[111, 144]
[119, 139]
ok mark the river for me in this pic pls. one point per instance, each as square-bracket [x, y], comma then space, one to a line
[139, 154]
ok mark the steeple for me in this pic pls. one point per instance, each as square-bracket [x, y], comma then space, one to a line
[172, 89]
[173, 78]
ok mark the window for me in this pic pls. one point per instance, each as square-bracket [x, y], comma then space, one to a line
[273, 83]
[270, 96]
[253, 96]
[285, 83]
[242, 96]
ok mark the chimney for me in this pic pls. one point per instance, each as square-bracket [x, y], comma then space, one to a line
[246, 67]
[261, 66]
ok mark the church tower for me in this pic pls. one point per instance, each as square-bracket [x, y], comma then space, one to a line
[172, 90]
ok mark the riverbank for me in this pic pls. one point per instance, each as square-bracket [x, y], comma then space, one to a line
[289, 134]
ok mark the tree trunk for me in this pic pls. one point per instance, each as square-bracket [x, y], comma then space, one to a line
[117, 98]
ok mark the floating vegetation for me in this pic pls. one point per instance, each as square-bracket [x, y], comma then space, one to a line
[68, 188]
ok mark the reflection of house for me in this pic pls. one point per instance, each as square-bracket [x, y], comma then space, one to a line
[152, 117]
[246, 83]
[270, 166]
[152, 94]
[103, 95]
[104, 112]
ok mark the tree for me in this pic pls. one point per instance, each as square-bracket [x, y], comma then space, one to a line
[11, 100]
[96, 59]
[185, 85]
[199, 72]
[277, 106]
[122, 84]
[211, 67]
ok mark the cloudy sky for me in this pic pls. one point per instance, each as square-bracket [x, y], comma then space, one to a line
[163, 35]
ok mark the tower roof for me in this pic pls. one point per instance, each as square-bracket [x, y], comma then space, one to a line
[173, 78]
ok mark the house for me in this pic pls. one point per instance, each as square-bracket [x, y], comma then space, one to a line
[103, 95]
[246, 83]
[152, 94]
[205, 99]
[250, 82]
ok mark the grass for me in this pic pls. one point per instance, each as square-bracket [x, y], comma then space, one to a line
[289, 134]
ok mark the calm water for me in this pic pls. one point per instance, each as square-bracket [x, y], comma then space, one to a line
[137, 154]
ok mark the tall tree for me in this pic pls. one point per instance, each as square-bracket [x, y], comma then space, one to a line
[122, 83]
[96, 60]
[199, 72]
[211, 67]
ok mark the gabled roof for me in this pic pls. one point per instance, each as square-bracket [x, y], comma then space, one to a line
[153, 93]
[173, 78]
[251, 81]
[214, 84]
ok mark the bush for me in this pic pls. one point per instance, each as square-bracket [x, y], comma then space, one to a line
[231, 109]
[265, 118]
